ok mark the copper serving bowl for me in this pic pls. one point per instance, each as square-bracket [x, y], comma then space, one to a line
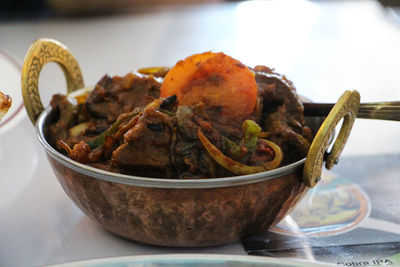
[172, 212]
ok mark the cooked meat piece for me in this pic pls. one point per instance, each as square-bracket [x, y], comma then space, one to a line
[66, 111]
[276, 90]
[114, 96]
[147, 145]
[110, 98]
[229, 127]
[161, 145]
[189, 157]
[281, 114]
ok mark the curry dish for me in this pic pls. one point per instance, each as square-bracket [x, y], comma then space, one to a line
[208, 116]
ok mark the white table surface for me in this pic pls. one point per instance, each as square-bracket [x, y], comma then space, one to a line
[323, 48]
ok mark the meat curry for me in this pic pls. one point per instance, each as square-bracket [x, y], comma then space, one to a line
[208, 116]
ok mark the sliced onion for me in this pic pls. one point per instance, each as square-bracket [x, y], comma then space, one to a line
[235, 166]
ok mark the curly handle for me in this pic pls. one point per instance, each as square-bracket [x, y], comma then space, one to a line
[41, 52]
[346, 108]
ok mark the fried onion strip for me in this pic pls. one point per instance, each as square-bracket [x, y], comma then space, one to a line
[235, 166]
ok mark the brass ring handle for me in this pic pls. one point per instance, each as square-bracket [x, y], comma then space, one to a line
[346, 108]
[41, 52]
[374, 110]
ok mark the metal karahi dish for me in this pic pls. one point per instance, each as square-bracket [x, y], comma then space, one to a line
[180, 212]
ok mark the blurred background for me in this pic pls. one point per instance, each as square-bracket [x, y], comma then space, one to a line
[11, 9]
[22, 9]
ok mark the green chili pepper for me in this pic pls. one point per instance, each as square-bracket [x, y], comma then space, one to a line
[251, 132]
[232, 149]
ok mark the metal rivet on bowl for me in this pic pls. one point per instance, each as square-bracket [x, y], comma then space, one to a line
[318, 179]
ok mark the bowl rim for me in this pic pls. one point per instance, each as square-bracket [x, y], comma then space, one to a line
[158, 182]
[201, 259]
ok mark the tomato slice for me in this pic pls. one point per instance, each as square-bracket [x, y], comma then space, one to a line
[217, 80]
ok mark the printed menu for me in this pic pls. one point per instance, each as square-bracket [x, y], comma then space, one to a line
[351, 218]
